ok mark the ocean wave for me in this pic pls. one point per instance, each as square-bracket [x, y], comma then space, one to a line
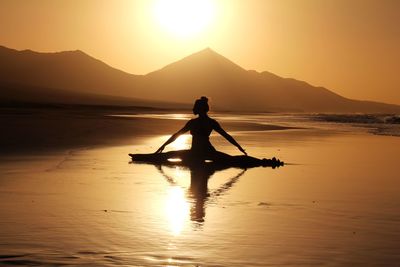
[360, 118]
[380, 124]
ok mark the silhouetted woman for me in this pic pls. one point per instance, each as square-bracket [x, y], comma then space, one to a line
[200, 128]
[202, 150]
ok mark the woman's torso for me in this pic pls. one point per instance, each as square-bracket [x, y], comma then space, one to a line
[200, 129]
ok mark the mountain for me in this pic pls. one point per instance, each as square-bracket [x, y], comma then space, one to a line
[71, 70]
[234, 88]
[70, 77]
[229, 86]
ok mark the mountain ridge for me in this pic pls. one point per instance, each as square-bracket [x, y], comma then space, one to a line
[206, 72]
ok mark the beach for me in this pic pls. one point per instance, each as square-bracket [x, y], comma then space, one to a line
[69, 194]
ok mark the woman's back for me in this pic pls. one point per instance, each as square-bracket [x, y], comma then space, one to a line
[200, 129]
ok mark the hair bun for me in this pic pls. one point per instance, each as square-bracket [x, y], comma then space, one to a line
[201, 106]
[204, 98]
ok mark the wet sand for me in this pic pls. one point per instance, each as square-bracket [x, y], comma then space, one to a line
[336, 202]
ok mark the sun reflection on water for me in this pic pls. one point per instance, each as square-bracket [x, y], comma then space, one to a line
[176, 209]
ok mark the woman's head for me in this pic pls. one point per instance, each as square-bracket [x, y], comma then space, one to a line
[201, 106]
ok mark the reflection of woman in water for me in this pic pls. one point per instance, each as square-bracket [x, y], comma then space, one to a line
[200, 128]
[198, 189]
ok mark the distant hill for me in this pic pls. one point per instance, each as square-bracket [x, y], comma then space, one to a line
[69, 70]
[70, 77]
[229, 86]
[234, 88]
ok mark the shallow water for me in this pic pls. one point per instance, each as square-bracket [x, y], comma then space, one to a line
[336, 203]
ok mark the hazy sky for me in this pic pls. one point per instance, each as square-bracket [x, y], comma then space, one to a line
[349, 46]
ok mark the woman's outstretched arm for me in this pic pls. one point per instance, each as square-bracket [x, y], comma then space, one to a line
[174, 136]
[227, 136]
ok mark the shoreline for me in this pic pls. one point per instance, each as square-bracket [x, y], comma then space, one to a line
[38, 130]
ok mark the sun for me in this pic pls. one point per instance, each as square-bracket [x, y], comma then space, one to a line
[184, 18]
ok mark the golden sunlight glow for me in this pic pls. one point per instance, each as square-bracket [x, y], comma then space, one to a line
[182, 142]
[176, 209]
[180, 116]
[184, 18]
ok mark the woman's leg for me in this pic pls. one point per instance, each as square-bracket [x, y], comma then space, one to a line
[242, 160]
[220, 157]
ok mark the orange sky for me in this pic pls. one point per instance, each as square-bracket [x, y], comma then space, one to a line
[351, 47]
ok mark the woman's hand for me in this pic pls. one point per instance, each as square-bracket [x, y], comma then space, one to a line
[242, 150]
[160, 149]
